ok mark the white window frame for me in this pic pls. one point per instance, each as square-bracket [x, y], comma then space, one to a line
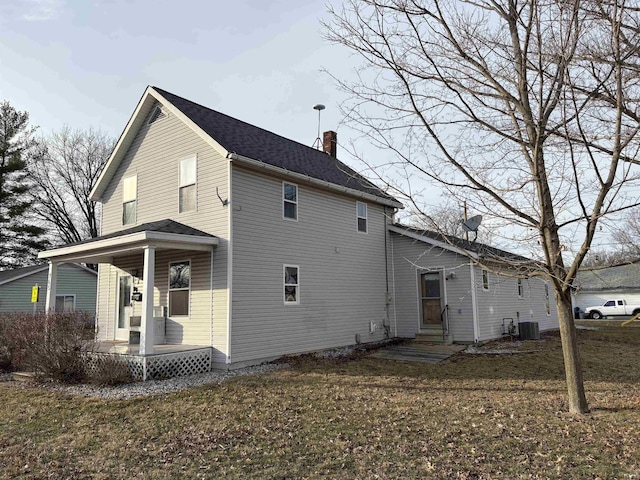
[66, 295]
[182, 185]
[547, 303]
[485, 279]
[126, 200]
[285, 201]
[169, 289]
[285, 284]
[520, 287]
[366, 218]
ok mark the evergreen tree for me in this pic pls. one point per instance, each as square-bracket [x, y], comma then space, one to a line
[20, 239]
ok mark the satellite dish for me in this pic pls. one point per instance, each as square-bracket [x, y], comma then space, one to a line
[472, 224]
[318, 106]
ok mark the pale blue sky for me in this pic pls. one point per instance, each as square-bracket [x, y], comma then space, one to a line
[86, 63]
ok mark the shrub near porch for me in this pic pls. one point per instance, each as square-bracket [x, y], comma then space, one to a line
[474, 416]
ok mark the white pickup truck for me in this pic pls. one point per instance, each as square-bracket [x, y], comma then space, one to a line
[611, 308]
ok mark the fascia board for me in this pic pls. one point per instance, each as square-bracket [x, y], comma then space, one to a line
[431, 241]
[91, 248]
[242, 160]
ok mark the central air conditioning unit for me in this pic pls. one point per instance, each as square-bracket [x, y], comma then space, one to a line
[529, 330]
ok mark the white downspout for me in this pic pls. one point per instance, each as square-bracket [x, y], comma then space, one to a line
[474, 303]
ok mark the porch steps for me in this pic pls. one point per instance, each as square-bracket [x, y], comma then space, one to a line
[432, 337]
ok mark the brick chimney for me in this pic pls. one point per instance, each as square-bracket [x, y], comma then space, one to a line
[330, 143]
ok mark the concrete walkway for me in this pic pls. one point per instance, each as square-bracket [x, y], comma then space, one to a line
[418, 352]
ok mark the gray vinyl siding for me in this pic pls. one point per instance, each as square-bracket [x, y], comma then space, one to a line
[154, 156]
[341, 271]
[410, 257]
[501, 302]
[72, 280]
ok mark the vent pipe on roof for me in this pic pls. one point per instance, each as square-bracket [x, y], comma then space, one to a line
[330, 143]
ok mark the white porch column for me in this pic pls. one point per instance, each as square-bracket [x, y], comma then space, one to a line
[52, 283]
[147, 322]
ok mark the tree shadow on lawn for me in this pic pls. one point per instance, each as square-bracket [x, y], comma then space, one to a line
[608, 355]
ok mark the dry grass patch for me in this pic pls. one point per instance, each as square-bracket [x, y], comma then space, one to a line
[501, 416]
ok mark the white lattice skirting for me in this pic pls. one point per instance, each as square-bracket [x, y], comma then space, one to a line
[154, 367]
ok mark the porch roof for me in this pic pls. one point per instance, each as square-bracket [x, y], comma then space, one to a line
[163, 234]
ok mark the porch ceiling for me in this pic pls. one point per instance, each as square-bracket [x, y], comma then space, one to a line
[165, 234]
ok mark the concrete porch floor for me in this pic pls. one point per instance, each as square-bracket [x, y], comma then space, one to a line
[418, 352]
[125, 348]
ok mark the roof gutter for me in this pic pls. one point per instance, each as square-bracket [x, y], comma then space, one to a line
[306, 178]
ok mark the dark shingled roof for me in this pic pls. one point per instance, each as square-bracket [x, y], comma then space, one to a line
[623, 277]
[163, 226]
[479, 248]
[9, 275]
[255, 143]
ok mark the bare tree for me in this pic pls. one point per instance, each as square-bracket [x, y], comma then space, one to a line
[529, 109]
[627, 235]
[65, 170]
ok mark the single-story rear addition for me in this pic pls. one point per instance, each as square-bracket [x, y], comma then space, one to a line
[224, 245]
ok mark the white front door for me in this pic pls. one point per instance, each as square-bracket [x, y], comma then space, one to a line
[123, 310]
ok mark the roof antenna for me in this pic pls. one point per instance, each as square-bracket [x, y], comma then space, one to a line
[318, 142]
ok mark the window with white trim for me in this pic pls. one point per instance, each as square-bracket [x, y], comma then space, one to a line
[520, 288]
[291, 284]
[187, 194]
[485, 279]
[65, 303]
[179, 288]
[361, 213]
[129, 200]
[289, 201]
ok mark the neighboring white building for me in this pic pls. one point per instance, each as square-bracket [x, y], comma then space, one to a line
[595, 287]
[239, 245]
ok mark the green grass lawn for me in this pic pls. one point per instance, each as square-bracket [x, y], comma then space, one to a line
[469, 417]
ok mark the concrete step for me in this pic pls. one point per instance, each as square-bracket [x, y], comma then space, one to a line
[438, 338]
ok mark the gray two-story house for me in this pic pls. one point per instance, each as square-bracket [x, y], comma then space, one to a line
[224, 244]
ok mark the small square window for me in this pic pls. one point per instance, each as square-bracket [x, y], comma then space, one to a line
[65, 303]
[291, 284]
[361, 212]
[290, 201]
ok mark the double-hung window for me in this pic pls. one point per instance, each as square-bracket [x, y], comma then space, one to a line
[129, 200]
[547, 303]
[485, 279]
[361, 212]
[188, 193]
[179, 288]
[291, 284]
[289, 201]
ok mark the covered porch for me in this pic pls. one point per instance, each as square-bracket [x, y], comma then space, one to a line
[146, 288]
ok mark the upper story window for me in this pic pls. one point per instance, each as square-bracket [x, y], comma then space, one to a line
[179, 288]
[485, 279]
[361, 211]
[129, 200]
[289, 201]
[188, 175]
[520, 288]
